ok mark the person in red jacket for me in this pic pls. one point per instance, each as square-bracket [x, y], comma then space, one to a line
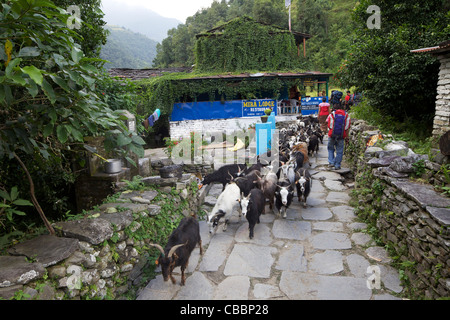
[324, 111]
[338, 126]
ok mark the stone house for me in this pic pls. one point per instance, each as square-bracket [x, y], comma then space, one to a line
[441, 123]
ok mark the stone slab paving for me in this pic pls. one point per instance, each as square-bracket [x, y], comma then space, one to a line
[319, 252]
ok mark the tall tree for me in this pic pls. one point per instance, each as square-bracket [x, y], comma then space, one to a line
[396, 82]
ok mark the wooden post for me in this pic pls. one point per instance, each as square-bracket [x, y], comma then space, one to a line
[304, 47]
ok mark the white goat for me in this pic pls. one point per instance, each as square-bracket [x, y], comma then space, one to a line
[226, 203]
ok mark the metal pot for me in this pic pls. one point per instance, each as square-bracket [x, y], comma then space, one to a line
[113, 166]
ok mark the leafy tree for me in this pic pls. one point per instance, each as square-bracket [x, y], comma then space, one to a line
[92, 33]
[396, 82]
[48, 98]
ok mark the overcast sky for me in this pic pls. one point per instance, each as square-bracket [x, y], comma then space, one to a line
[178, 9]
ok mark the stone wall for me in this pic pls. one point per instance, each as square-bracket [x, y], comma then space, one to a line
[442, 116]
[412, 218]
[103, 255]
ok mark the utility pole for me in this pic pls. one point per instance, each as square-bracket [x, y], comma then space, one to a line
[287, 3]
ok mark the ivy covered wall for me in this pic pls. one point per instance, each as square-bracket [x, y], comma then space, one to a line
[245, 44]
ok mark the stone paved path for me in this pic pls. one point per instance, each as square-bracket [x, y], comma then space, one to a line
[317, 253]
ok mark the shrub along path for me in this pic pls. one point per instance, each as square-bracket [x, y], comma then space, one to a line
[319, 252]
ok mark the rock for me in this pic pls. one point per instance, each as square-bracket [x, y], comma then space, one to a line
[381, 162]
[358, 265]
[328, 226]
[316, 214]
[45, 249]
[140, 200]
[16, 270]
[250, 260]
[405, 164]
[331, 240]
[147, 195]
[394, 174]
[291, 258]
[372, 152]
[266, 291]
[423, 194]
[440, 214]
[157, 289]
[344, 213]
[197, 287]
[184, 194]
[111, 210]
[341, 197]
[216, 253]
[378, 254]
[120, 219]
[327, 175]
[328, 262]
[233, 288]
[395, 148]
[360, 238]
[303, 286]
[94, 231]
[294, 230]
[334, 185]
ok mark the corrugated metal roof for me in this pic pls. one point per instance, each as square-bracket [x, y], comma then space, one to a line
[443, 46]
[265, 75]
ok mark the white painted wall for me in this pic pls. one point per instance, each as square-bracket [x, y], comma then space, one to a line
[180, 129]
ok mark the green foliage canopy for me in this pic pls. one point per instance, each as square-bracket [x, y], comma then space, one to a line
[244, 44]
[48, 95]
[396, 82]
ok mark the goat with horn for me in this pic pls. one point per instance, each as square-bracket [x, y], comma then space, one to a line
[179, 247]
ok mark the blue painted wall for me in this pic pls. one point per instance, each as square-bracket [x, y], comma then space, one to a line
[208, 110]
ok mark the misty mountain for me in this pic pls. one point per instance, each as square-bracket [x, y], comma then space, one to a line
[138, 19]
[127, 49]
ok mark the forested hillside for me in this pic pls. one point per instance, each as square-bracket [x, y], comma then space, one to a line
[127, 49]
[328, 21]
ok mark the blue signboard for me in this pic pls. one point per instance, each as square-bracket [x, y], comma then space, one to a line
[310, 105]
[255, 108]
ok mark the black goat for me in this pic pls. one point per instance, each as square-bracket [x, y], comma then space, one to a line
[283, 196]
[246, 182]
[313, 145]
[178, 248]
[303, 183]
[252, 207]
[222, 175]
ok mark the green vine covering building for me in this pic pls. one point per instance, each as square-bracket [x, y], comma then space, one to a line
[246, 44]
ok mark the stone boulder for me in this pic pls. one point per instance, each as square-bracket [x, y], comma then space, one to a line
[381, 162]
[405, 164]
[94, 231]
[45, 249]
[16, 270]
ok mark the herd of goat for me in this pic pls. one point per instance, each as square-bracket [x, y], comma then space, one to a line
[245, 191]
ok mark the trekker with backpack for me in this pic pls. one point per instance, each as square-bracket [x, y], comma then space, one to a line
[338, 125]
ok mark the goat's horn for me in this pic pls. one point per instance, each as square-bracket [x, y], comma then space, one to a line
[157, 246]
[172, 250]
[230, 175]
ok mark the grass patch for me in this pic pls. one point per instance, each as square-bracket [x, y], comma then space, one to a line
[417, 132]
